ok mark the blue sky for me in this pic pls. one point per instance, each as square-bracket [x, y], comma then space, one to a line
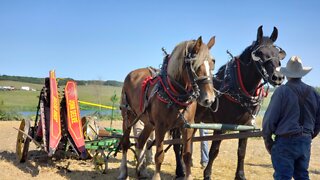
[105, 40]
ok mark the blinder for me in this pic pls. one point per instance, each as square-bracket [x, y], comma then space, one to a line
[193, 77]
[203, 79]
[261, 63]
[280, 56]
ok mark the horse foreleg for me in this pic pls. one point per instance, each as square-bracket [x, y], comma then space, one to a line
[214, 151]
[140, 150]
[125, 143]
[177, 152]
[242, 146]
[159, 156]
[187, 153]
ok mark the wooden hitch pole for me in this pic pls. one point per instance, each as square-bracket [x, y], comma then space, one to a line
[217, 137]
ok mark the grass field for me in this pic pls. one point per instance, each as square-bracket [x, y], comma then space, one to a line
[20, 100]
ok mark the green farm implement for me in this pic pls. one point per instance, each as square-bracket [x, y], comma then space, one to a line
[101, 143]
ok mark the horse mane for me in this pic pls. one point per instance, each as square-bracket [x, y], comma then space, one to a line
[176, 62]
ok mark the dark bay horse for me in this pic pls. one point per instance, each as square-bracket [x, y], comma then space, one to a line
[167, 100]
[238, 102]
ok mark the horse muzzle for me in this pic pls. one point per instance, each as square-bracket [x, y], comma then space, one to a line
[206, 100]
[276, 79]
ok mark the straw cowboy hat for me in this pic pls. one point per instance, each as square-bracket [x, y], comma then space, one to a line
[294, 68]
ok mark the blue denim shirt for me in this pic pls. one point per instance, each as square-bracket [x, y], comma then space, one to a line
[283, 112]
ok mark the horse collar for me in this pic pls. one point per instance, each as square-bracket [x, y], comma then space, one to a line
[167, 91]
[235, 91]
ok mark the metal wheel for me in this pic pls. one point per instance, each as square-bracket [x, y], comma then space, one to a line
[23, 141]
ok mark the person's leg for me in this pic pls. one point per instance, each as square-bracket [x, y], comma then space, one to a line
[141, 153]
[137, 128]
[204, 149]
[282, 159]
[301, 164]
[149, 155]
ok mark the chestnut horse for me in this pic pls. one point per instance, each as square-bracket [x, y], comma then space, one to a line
[238, 102]
[167, 100]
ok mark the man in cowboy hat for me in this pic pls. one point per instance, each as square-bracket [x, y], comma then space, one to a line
[290, 122]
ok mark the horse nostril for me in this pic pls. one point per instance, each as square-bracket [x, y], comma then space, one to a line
[207, 102]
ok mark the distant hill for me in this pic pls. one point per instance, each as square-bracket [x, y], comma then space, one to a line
[62, 82]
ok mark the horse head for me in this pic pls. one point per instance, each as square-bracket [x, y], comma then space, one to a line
[268, 56]
[191, 64]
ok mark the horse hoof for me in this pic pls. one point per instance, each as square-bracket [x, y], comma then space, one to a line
[122, 178]
[207, 178]
[240, 176]
[156, 177]
[144, 174]
[188, 178]
[180, 177]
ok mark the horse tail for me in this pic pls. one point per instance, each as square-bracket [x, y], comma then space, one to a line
[123, 102]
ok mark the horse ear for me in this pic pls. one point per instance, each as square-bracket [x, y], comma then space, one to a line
[282, 54]
[274, 34]
[259, 35]
[196, 47]
[211, 42]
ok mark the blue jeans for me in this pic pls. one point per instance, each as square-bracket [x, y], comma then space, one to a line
[204, 147]
[290, 157]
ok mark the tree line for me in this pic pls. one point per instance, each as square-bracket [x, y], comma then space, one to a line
[61, 81]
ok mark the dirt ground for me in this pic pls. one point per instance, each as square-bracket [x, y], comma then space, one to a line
[257, 161]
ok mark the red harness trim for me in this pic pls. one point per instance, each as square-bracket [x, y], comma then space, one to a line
[162, 100]
[264, 94]
[172, 98]
[231, 99]
[152, 81]
[143, 89]
[172, 89]
[240, 78]
[261, 89]
[170, 86]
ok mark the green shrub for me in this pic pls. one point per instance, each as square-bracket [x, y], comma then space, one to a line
[9, 115]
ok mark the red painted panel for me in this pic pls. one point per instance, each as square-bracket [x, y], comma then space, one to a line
[55, 124]
[73, 115]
